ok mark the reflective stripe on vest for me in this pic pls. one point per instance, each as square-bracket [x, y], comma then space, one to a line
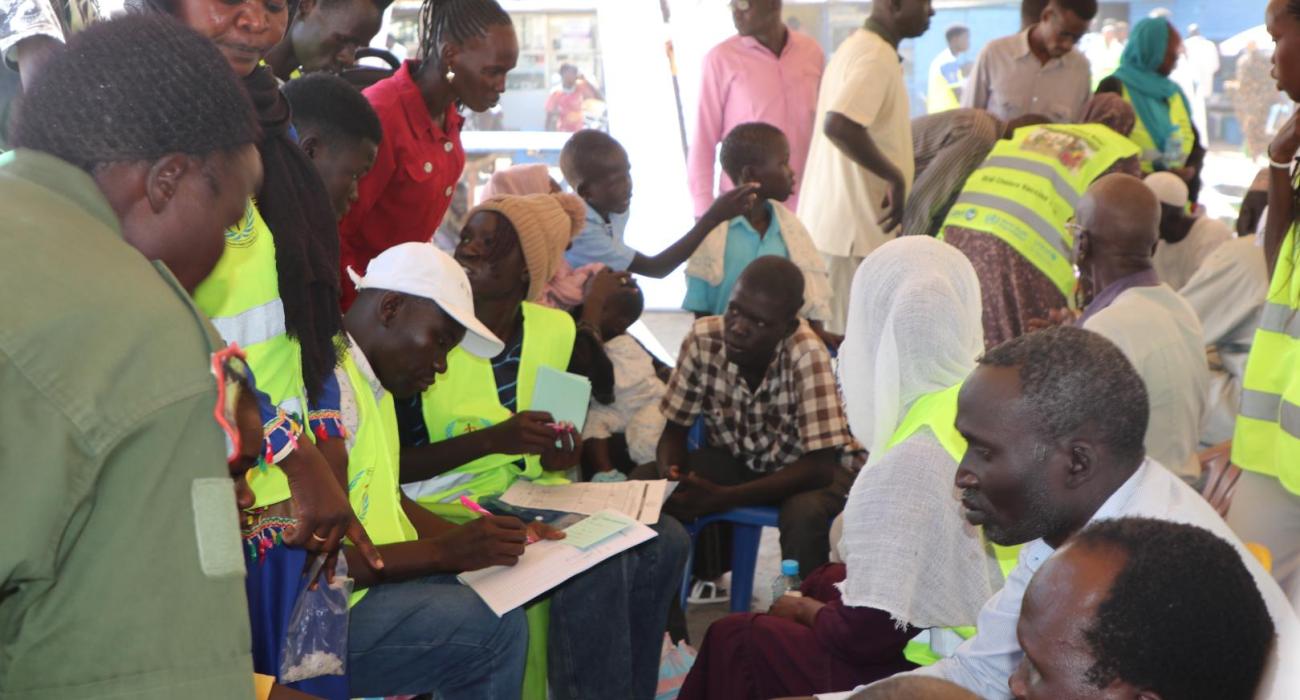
[1182, 121]
[242, 297]
[1267, 435]
[373, 463]
[938, 413]
[464, 399]
[1028, 187]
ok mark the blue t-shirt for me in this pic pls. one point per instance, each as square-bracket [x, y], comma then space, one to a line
[601, 242]
[744, 245]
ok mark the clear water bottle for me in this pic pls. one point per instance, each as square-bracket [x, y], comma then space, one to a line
[788, 581]
[1173, 153]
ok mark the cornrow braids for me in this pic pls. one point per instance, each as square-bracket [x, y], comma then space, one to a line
[456, 20]
[103, 101]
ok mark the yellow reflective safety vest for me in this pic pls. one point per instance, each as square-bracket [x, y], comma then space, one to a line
[464, 399]
[938, 413]
[373, 466]
[1267, 435]
[242, 297]
[1182, 120]
[1028, 187]
[941, 95]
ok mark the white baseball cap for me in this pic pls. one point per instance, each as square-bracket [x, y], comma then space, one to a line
[421, 270]
[1169, 188]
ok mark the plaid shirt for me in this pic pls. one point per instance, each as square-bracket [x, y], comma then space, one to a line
[796, 410]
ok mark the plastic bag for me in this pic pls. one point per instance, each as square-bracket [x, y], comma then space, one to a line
[316, 640]
[675, 662]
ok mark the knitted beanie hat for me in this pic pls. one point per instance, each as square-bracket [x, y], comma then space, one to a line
[545, 224]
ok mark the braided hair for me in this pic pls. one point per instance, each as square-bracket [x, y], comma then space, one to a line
[297, 209]
[103, 101]
[456, 20]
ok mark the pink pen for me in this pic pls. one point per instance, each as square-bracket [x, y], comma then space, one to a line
[476, 508]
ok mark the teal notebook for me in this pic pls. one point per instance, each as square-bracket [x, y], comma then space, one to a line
[563, 395]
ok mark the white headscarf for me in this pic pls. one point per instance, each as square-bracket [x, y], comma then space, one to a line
[914, 328]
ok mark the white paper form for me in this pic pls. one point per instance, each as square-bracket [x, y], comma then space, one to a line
[544, 566]
[640, 500]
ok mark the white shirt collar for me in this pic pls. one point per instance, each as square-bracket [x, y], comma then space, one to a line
[363, 365]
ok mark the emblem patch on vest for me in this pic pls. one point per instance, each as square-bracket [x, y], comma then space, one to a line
[243, 233]
[462, 426]
[1067, 149]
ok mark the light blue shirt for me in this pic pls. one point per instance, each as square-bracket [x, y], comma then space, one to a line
[601, 242]
[744, 245]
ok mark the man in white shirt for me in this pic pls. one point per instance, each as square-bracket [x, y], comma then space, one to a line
[1227, 293]
[1185, 240]
[1054, 423]
[945, 79]
[1117, 222]
[860, 162]
[1036, 71]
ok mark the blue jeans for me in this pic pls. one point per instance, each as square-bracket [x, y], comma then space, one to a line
[607, 624]
[434, 634]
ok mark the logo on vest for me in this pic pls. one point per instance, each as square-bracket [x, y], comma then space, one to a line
[1069, 150]
[463, 426]
[244, 233]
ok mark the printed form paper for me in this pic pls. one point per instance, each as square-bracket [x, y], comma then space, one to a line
[546, 565]
[640, 500]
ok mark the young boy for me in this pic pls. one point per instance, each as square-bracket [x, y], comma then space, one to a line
[637, 393]
[598, 170]
[758, 153]
[337, 129]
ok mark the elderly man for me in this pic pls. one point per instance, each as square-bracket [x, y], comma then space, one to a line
[1055, 423]
[1118, 224]
[1186, 240]
[860, 165]
[767, 73]
[1143, 608]
[777, 435]
[1036, 71]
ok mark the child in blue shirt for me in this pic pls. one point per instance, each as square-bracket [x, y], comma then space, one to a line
[597, 168]
[757, 153]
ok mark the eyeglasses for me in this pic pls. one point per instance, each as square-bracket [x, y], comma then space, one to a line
[742, 5]
[1075, 229]
[230, 367]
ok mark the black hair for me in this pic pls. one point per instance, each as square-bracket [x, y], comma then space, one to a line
[1183, 617]
[628, 303]
[581, 155]
[747, 144]
[1070, 378]
[955, 31]
[103, 100]
[1084, 9]
[567, 66]
[1031, 11]
[456, 20]
[331, 105]
[780, 277]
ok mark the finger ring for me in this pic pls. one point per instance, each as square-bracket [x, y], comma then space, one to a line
[317, 537]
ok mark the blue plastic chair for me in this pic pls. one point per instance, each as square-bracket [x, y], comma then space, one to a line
[746, 530]
[746, 527]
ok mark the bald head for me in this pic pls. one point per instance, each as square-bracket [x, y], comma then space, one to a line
[777, 278]
[1121, 215]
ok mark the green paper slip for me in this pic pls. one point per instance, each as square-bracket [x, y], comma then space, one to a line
[594, 529]
[563, 395]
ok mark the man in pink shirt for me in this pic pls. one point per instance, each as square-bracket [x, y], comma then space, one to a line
[766, 73]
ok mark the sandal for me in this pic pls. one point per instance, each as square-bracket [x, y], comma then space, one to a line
[706, 592]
